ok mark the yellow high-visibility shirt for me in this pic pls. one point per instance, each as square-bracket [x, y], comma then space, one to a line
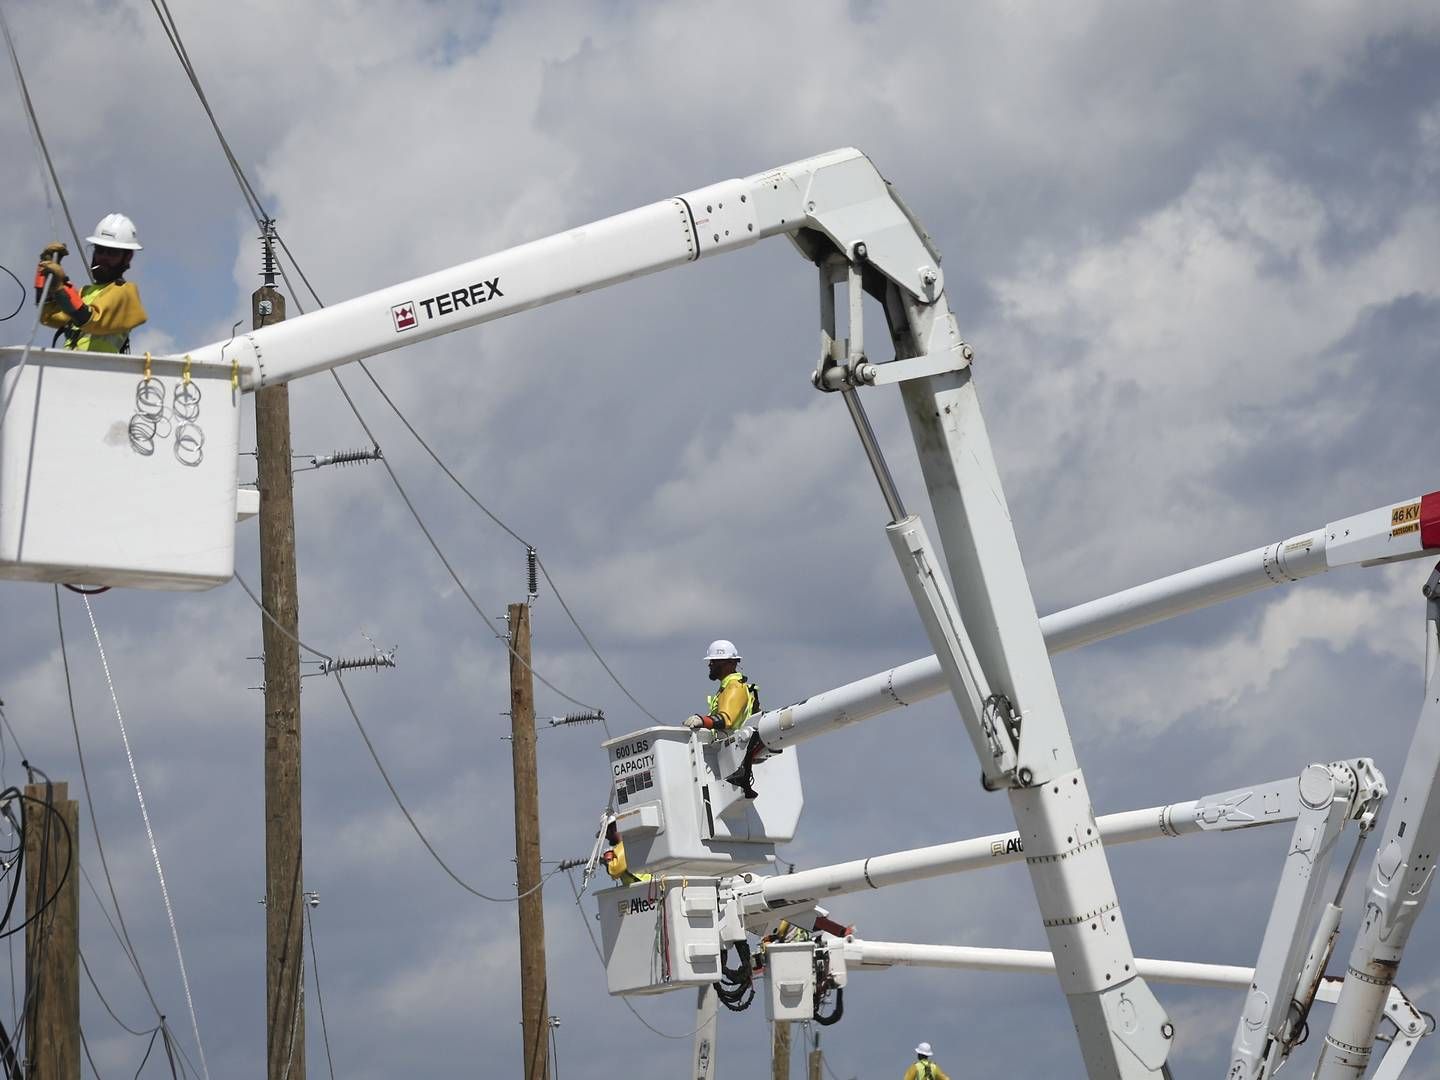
[734, 701]
[925, 1070]
[115, 310]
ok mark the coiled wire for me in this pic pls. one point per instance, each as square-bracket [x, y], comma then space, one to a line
[149, 412]
[152, 421]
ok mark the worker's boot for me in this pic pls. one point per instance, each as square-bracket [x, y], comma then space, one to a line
[744, 776]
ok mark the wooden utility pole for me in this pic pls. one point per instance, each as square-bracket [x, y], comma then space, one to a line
[780, 1050]
[817, 1059]
[284, 879]
[534, 993]
[52, 941]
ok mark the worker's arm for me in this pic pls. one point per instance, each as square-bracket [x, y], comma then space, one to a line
[117, 310]
[911, 1072]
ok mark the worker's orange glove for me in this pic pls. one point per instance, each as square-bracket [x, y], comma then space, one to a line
[48, 268]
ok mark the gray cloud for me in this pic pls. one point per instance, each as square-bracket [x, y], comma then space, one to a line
[1194, 250]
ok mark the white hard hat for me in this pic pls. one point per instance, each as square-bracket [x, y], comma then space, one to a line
[923, 1049]
[722, 650]
[115, 231]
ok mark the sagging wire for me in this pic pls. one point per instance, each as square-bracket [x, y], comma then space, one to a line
[150, 835]
[384, 774]
[38, 135]
[312, 900]
[21, 285]
[589, 931]
[265, 222]
[122, 931]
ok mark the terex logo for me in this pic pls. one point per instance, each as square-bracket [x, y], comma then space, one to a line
[407, 315]
[404, 316]
[637, 905]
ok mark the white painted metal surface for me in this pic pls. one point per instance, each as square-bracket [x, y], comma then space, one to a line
[81, 501]
[660, 936]
[677, 814]
[1400, 882]
[1278, 563]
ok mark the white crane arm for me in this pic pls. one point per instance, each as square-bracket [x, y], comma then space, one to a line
[1241, 808]
[1405, 530]
[839, 195]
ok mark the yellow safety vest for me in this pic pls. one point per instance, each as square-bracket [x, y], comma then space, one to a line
[115, 310]
[748, 706]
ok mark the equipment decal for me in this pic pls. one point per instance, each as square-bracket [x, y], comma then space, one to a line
[1011, 846]
[636, 905]
[404, 316]
[1405, 519]
[407, 315]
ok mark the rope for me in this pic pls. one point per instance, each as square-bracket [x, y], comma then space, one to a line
[150, 835]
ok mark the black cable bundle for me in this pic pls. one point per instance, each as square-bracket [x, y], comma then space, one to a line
[736, 990]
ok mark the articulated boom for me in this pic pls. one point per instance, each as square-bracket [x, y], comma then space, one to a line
[78, 434]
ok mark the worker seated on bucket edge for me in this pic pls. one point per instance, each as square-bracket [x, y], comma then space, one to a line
[97, 317]
[734, 702]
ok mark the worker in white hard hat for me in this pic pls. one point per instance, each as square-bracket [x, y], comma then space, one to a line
[734, 700]
[924, 1068]
[97, 317]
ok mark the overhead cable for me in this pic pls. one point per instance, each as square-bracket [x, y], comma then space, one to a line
[261, 215]
[150, 835]
[35, 130]
[319, 996]
[384, 774]
[122, 932]
[601, 956]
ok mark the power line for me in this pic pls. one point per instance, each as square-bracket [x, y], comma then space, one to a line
[319, 996]
[384, 773]
[601, 956]
[35, 131]
[150, 835]
[261, 215]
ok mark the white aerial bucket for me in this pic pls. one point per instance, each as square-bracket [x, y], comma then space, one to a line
[110, 478]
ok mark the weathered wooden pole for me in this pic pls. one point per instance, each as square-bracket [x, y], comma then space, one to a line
[279, 593]
[52, 940]
[534, 994]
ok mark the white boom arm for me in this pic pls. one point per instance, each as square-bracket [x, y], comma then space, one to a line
[845, 218]
[1400, 878]
[834, 194]
[851, 954]
[1377, 536]
[1301, 929]
[1279, 801]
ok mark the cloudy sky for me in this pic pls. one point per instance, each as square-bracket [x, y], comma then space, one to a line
[1195, 250]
